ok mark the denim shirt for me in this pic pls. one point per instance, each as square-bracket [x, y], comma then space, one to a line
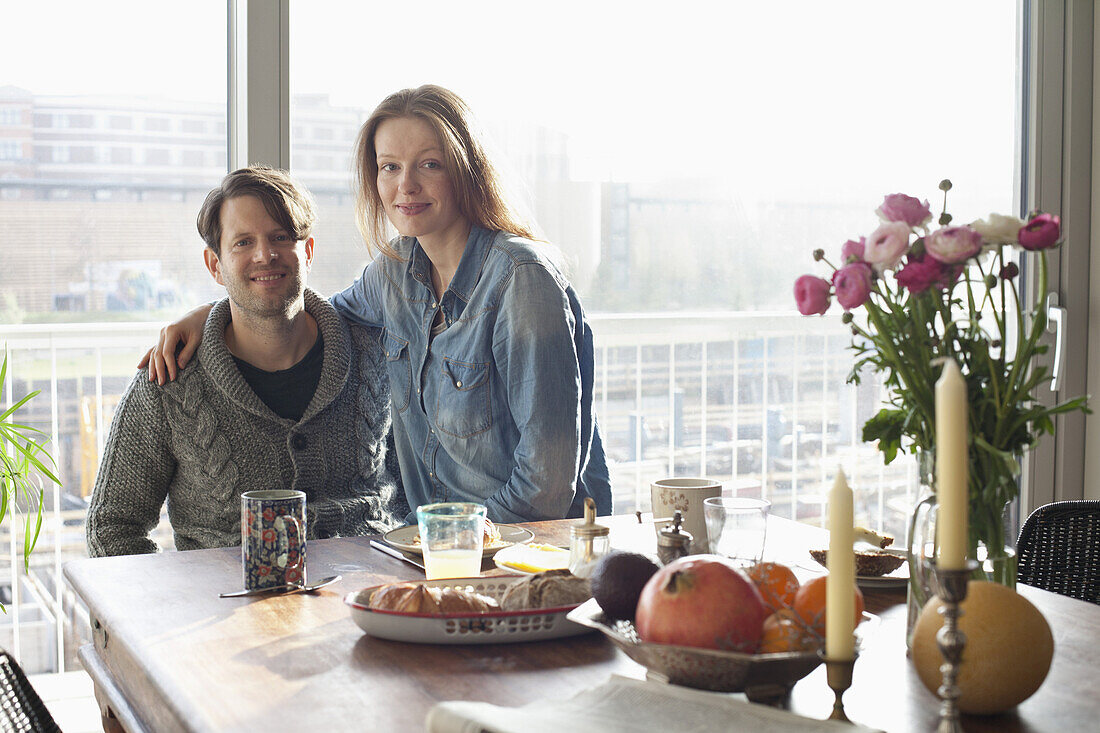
[497, 408]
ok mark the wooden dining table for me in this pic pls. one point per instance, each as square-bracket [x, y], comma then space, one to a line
[169, 655]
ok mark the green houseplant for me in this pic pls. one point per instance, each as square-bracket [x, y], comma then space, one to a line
[24, 463]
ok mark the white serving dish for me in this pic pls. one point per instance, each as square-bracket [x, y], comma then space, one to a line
[498, 627]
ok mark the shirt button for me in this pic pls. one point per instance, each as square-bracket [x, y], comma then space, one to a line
[458, 384]
[434, 304]
[431, 475]
[299, 442]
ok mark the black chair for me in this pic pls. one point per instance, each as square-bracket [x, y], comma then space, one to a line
[21, 709]
[1059, 549]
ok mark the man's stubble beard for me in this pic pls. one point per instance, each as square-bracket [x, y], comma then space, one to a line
[277, 307]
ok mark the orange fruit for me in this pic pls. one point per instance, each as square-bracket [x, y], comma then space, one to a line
[776, 583]
[809, 604]
[784, 633]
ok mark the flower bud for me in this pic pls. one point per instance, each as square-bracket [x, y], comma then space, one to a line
[855, 331]
[990, 281]
[945, 185]
[945, 219]
[1010, 271]
[995, 343]
[819, 254]
[847, 317]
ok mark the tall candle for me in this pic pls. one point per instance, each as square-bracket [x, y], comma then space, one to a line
[840, 588]
[951, 467]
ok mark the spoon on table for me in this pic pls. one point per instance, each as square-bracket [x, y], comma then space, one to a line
[282, 589]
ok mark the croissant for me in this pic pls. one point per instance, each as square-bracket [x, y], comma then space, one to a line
[418, 598]
[404, 598]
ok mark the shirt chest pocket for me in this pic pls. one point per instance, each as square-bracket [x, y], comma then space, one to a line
[463, 407]
[398, 369]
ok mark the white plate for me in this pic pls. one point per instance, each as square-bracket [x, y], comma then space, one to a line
[403, 538]
[498, 627]
[532, 554]
[897, 579]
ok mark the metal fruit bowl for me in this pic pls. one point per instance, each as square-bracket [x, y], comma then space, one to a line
[762, 677]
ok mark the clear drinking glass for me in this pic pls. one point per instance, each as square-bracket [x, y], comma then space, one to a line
[736, 527]
[451, 537]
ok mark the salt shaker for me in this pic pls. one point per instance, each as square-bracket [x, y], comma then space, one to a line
[673, 542]
[588, 542]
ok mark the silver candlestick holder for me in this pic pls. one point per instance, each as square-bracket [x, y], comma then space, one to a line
[951, 587]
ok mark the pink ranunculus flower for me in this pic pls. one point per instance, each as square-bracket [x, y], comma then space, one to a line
[853, 285]
[899, 207]
[1041, 232]
[952, 245]
[852, 251]
[921, 273]
[812, 295]
[886, 246]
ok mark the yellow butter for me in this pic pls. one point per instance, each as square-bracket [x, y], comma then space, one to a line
[535, 558]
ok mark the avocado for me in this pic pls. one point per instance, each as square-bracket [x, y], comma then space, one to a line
[617, 581]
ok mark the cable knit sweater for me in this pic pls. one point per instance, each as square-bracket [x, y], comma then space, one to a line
[204, 439]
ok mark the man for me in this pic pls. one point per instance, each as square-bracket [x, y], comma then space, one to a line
[282, 393]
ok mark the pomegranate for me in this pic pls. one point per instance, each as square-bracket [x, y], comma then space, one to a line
[701, 601]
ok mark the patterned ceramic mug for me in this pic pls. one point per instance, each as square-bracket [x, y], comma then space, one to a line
[687, 495]
[273, 538]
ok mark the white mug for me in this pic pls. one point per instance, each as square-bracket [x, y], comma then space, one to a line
[687, 495]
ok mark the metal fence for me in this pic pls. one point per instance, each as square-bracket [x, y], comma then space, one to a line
[756, 400]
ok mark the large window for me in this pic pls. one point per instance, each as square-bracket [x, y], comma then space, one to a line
[95, 116]
[687, 166]
[98, 226]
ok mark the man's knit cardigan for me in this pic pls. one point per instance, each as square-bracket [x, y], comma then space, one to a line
[204, 439]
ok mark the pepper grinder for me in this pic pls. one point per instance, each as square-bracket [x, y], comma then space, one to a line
[672, 541]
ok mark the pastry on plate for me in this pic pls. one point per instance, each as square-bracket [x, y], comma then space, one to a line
[869, 563]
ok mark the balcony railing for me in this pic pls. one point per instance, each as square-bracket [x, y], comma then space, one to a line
[757, 400]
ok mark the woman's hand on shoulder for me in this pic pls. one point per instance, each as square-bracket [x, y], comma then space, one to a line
[182, 336]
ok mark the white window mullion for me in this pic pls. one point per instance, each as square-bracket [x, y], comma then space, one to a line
[259, 83]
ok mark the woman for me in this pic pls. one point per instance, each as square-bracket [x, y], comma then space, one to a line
[488, 352]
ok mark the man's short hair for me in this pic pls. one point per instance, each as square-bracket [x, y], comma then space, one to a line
[286, 202]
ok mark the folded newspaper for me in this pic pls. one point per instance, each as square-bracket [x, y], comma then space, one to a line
[623, 705]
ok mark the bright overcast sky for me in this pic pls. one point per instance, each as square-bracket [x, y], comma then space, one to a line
[777, 93]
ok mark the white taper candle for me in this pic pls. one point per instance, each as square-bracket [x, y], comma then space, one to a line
[951, 467]
[840, 588]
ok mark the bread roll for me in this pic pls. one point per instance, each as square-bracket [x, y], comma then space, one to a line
[419, 598]
[549, 589]
[453, 600]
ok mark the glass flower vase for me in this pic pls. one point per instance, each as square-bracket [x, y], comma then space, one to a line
[997, 560]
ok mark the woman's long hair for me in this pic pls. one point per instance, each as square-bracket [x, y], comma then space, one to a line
[474, 179]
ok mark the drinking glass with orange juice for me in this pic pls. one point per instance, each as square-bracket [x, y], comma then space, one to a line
[452, 536]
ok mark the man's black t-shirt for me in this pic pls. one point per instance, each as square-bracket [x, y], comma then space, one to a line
[288, 391]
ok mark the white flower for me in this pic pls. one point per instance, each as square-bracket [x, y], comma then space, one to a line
[998, 229]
